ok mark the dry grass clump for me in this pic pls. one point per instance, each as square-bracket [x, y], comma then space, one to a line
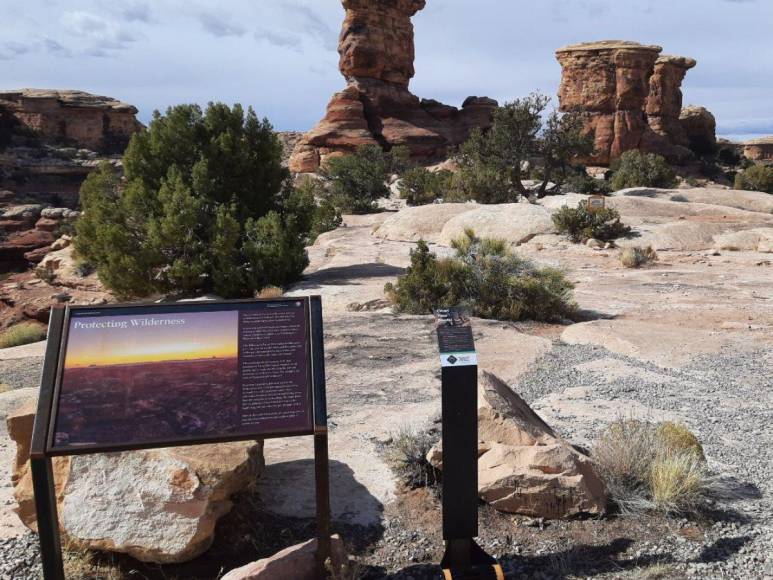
[659, 467]
[271, 292]
[4, 388]
[22, 333]
[635, 256]
[83, 564]
[407, 456]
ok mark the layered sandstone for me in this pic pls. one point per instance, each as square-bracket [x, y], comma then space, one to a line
[631, 97]
[376, 108]
[700, 127]
[759, 149]
[664, 103]
[73, 117]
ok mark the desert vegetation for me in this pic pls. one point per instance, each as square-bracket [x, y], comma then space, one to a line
[485, 276]
[205, 206]
[419, 186]
[648, 466]
[22, 333]
[637, 169]
[636, 256]
[406, 454]
[581, 225]
[756, 178]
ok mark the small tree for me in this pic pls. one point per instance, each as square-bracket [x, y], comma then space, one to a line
[755, 178]
[418, 186]
[497, 157]
[637, 169]
[581, 225]
[357, 181]
[205, 206]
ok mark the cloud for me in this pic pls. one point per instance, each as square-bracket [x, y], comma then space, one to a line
[218, 27]
[282, 40]
[312, 24]
[103, 36]
[137, 12]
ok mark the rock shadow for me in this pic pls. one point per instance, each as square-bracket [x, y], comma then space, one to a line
[348, 274]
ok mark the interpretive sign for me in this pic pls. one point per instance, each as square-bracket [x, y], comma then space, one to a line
[463, 559]
[185, 373]
[455, 341]
[127, 377]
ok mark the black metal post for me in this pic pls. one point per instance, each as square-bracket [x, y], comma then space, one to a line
[48, 522]
[321, 459]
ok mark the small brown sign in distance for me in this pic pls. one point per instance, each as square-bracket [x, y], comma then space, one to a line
[596, 203]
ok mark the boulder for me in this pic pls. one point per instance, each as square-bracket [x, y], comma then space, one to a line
[664, 103]
[755, 240]
[422, 222]
[157, 506]
[523, 466]
[700, 127]
[747, 200]
[516, 223]
[294, 563]
[376, 46]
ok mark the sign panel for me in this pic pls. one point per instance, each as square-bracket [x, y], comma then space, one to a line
[455, 340]
[596, 203]
[172, 374]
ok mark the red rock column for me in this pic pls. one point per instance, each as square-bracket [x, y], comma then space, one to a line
[664, 104]
[608, 82]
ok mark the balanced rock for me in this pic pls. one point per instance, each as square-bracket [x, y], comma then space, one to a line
[73, 117]
[157, 506]
[523, 466]
[294, 563]
[759, 149]
[376, 108]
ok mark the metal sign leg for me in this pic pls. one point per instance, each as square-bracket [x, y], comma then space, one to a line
[322, 477]
[48, 522]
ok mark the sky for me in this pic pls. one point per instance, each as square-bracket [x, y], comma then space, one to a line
[194, 336]
[279, 56]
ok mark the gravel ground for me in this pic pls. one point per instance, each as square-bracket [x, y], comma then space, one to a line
[22, 372]
[726, 400]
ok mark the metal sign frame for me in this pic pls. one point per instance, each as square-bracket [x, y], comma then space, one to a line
[41, 452]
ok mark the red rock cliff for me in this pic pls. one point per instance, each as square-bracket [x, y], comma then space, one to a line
[74, 117]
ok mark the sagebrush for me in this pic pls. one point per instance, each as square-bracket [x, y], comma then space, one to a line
[755, 178]
[407, 456]
[487, 278]
[636, 256]
[419, 186]
[21, 334]
[581, 225]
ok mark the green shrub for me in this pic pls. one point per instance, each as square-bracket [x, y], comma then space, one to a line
[407, 456]
[8, 125]
[205, 206]
[22, 333]
[728, 155]
[485, 277]
[481, 183]
[636, 169]
[325, 216]
[357, 181]
[755, 178]
[580, 224]
[636, 256]
[418, 186]
[581, 182]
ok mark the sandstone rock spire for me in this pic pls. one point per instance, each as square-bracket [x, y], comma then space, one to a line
[376, 108]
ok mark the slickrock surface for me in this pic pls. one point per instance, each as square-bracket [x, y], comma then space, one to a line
[376, 108]
[74, 117]
[688, 338]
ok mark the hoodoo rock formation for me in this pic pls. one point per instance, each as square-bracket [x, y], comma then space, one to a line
[376, 108]
[73, 117]
[664, 103]
[630, 95]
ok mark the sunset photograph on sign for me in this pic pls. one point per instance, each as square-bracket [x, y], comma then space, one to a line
[148, 377]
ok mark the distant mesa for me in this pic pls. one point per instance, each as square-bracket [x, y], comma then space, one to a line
[376, 108]
[630, 95]
[76, 118]
[760, 149]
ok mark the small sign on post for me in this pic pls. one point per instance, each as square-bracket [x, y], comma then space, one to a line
[463, 558]
[128, 377]
[596, 203]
